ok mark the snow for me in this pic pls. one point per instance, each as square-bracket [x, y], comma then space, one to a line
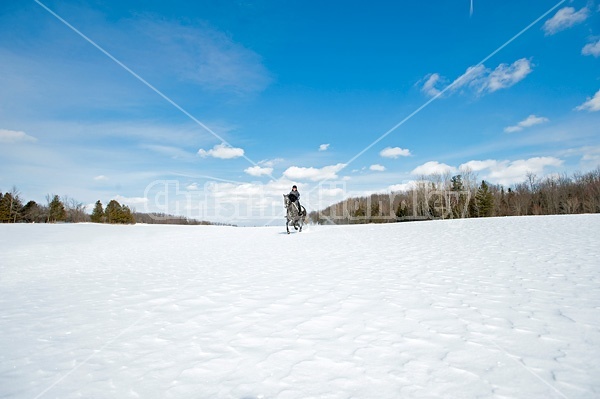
[495, 308]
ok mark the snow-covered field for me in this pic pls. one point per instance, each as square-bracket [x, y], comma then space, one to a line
[480, 308]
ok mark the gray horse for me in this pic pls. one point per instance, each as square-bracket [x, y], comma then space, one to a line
[294, 215]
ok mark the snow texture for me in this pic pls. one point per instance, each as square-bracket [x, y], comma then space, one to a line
[479, 308]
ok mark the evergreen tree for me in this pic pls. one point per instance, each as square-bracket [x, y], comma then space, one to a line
[4, 214]
[56, 211]
[459, 201]
[98, 213]
[472, 207]
[484, 201]
[402, 210]
[115, 213]
[126, 215]
[32, 212]
[10, 207]
[112, 212]
[359, 215]
[457, 184]
[504, 209]
[374, 216]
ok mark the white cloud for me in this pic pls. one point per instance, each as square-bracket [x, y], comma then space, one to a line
[507, 173]
[564, 19]
[511, 172]
[505, 76]
[586, 153]
[131, 201]
[394, 152]
[170, 151]
[472, 75]
[15, 136]
[193, 187]
[313, 174]
[377, 168]
[590, 156]
[431, 81]
[498, 172]
[531, 120]
[269, 163]
[258, 171]
[256, 203]
[201, 55]
[402, 186]
[101, 178]
[236, 192]
[483, 80]
[331, 192]
[222, 151]
[592, 104]
[592, 49]
[476, 166]
[432, 167]
[323, 147]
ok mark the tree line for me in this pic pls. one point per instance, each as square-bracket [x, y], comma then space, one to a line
[55, 210]
[68, 210]
[431, 197]
[163, 218]
[463, 196]
[114, 213]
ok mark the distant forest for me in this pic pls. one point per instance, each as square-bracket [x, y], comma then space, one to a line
[68, 210]
[463, 196]
[431, 197]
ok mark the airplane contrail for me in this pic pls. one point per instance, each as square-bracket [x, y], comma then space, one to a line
[471, 10]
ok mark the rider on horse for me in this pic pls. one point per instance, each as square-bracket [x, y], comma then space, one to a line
[295, 212]
[294, 196]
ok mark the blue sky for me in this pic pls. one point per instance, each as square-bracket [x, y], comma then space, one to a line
[192, 108]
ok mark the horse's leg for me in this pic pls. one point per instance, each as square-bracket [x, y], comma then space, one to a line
[287, 226]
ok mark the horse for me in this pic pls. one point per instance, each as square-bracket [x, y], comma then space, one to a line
[294, 215]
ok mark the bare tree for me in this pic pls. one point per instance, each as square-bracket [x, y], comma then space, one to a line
[531, 179]
[75, 210]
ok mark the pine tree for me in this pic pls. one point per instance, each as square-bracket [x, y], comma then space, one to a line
[459, 201]
[57, 211]
[504, 208]
[374, 215]
[10, 207]
[402, 210]
[112, 212]
[31, 212]
[4, 208]
[97, 213]
[126, 215]
[117, 213]
[359, 214]
[457, 184]
[484, 201]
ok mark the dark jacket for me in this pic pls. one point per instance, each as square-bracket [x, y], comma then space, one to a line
[294, 196]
